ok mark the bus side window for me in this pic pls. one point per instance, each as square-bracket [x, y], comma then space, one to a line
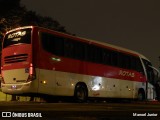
[98, 55]
[139, 67]
[45, 40]
[58, 45]
[122, 60]
[69, 48]
[106, 57]
[128, 62]
[114, 58]
[79, 50]
[90, 53]
[52, 43]
[133, 63]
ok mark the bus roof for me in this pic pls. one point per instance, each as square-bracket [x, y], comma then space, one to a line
[19, 28]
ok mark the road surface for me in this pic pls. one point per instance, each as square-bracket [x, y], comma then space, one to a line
[81, 111]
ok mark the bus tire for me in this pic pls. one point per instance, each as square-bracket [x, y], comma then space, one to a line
[80, 93]
[141, 95]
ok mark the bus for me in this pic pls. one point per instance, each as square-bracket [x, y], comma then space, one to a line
[39, 61]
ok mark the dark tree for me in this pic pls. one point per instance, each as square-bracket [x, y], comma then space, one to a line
[13, 15]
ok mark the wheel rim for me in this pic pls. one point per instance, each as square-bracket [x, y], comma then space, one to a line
[80, 94]
[140, 96]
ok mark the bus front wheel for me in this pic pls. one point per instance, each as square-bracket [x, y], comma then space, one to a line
[141, 95]
[81, 93]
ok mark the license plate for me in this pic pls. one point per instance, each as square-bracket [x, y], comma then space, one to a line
[13, 87]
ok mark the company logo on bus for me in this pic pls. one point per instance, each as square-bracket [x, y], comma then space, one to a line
[126, 73]
[17, 34]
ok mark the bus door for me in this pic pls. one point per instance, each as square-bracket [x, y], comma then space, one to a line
[152, 77]
[155, 83]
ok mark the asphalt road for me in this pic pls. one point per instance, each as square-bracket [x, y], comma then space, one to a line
[80, 111]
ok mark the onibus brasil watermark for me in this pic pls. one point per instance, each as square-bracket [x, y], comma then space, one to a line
[22, 114]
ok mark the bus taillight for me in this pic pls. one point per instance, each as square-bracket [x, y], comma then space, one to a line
[31, 69]
[1, 76]
[32, 74]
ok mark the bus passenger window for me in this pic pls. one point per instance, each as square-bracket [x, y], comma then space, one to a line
[107, 57]
[52, 43]
[58, 46]
[96, 54]
[121, 60]
[139, 67]
[79, 50]
[68, 48]
[89, 53]
[114, 58]
[45, 39]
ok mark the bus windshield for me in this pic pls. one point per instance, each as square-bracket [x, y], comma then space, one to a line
[22, 36]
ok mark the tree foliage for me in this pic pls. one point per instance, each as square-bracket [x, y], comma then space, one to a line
[13, 15]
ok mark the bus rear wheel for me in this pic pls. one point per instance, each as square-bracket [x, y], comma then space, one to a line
[141, 95]
[80, 93]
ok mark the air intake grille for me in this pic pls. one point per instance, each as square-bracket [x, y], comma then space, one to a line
[15, 58]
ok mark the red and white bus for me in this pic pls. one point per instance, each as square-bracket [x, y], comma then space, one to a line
[40, 61]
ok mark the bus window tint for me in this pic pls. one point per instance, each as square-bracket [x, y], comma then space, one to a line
[114, 58]
[94, 53]
[67, 47]
[139, 67]
[57, 47]
[106, 57]
[17, 37]
[63, 46]
[52, 44]
[79, 50]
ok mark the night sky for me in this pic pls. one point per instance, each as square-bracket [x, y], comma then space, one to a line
[132, 24]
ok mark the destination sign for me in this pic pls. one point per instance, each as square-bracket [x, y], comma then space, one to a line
[16, 34]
